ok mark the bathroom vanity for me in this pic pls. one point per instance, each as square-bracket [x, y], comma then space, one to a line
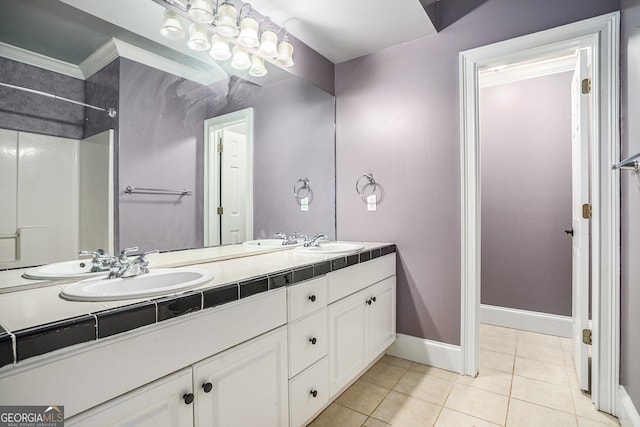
[270, 342]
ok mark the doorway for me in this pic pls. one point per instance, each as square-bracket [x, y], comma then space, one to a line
[601, 36]
[534, 173]
[228, 172]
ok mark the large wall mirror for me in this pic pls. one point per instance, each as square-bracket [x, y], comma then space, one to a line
[229, 147]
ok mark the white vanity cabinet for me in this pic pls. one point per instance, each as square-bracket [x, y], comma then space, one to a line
[244, 386]
[167, 402]
[361, 325]
[357, 320]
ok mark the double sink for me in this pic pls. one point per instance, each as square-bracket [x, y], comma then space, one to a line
[160, 281]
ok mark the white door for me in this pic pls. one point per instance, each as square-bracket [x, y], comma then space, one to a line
[167, 402]
[347, 340]
[580, 191]
[233, 187]
[381, 324]
[245, 386]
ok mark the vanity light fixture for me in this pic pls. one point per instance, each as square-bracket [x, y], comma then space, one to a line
[285, 51]
[213, 25]
[198, 37]
[268, 42]
[219, 48]
[171, 26]
[249, 28]
[240, 60]
[257, 66]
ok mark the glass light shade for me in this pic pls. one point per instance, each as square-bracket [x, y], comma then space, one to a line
[248, 33]
[171, 27]
[268, 44]
[257, 66]
[198, 38]
[226, 22]
[285, 53]
[240, 59]
[201, 11]
[219, 48]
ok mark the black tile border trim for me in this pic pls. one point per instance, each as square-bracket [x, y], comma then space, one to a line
[25, 343]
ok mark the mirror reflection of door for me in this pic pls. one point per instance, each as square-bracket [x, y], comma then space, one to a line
[228, 178]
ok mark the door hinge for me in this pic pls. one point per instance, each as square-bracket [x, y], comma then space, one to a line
[220, 211]
[587, 336]
[219, 148]
[586, 211]
[586, 86]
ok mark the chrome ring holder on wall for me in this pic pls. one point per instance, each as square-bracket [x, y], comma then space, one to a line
[370, 183]
[302, 191]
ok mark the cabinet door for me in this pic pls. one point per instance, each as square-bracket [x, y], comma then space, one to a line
[247, 385]
[161, 403]
[347, 335]
[381, 317]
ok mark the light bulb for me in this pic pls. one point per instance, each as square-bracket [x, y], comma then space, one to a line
[257, 66]
[240, 59]
[198, 38]
[219, 48]
[171, 27]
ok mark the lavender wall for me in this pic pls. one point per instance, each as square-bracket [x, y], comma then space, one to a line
[161, 128]
[398, 117]
[525, 158]
[28, 112]
[630, 202]
[294, 138]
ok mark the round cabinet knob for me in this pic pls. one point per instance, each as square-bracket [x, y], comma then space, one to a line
[374, 299]
[313, 340]
[369, 301]
[312, 298]
[207, 387]
[188, 398]
[314, 393]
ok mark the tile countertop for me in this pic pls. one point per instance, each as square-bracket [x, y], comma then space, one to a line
[30, 313]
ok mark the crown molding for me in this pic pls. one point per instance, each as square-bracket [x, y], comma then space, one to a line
[41, 61]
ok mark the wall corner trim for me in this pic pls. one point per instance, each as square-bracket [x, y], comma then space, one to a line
[627, 412]
[428, 352]
[532, 321]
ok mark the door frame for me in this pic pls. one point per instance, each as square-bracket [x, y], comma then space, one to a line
[211, 180]
[601, 34]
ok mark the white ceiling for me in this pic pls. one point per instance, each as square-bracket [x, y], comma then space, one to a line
[345, 29]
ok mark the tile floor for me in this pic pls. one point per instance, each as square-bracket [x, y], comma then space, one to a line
[526, 379]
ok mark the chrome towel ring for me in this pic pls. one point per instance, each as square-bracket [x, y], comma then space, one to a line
[371, 183]
[301, 191]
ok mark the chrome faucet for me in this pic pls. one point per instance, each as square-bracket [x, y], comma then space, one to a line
[122, 266]
[289, 239]
[101, 260]
[315, 241]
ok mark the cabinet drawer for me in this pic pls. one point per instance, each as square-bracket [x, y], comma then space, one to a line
[308, 393]
[347, 281]
[306, 297]
[308, 341]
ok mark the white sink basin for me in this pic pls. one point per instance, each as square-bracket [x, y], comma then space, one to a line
[160, 281]
[76, 269]
[268, 244]
[330, 248]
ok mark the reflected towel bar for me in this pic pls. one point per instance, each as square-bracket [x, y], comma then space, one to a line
[136, 190]
[630, 163]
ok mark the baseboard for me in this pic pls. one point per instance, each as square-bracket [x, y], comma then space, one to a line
[627, 412]
[533, 321]
[432, 353]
